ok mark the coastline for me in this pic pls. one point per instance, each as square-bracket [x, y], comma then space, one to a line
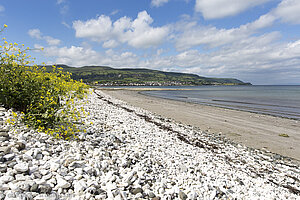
[251, 129]
[131, 153]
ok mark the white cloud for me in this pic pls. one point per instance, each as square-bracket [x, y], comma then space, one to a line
[2, 8]
[80, 56]
[137, 33]
[66, 24]
[36, 33]
[60, 1]
[288, 11]
[213, 9]
[158, 3]
[114, 12]
[110, 44]
[52, 41]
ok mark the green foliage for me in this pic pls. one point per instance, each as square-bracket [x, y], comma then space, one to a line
[46, 99]
[142, 76]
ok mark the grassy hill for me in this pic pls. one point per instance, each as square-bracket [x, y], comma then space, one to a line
[131, 76]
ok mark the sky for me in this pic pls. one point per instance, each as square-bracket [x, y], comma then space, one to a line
[256, 41]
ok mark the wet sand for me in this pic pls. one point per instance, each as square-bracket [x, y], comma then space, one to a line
[254, 130]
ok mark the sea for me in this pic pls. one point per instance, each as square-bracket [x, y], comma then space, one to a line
[276, 100]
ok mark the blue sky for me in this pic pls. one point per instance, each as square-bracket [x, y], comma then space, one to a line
[257, 41]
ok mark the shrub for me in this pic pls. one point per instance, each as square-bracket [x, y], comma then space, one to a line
[46, 99]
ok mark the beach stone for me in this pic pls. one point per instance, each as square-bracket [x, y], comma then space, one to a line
[20, 146]
[6, 179]
[4, 133]
[79, 186]
[9, 157]
[156, 198]
[182, 195]
[27, 157]
[3, 139]
[45, 188]
[4, 187]
[13, 186]
[151, 195]
[21, 167]
[11, 163]
[24, 186]
[62, 183]
[54, 166]
[136, 191]
[3, 168]
[5, 150]
[34, 188]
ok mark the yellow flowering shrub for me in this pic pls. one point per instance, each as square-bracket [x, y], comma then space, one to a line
[47, 100]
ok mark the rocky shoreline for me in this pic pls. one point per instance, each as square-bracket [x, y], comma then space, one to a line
[130, 153]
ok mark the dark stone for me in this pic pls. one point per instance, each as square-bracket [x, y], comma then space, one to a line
[2, 159]
[136, 191]
[91, 190]
[100, 191]
[151, 195]
[34, 188]
[20, 146]
[3, 168]
[45, 189]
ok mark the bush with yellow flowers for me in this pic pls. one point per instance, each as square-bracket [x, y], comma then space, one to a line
[47, 100]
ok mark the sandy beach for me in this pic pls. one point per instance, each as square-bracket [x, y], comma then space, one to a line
[251, 129]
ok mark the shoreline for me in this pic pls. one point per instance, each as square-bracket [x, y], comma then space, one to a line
[131, 153]
[251, 129]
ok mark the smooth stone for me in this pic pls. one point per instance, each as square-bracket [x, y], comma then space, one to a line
[9, 157]
[151, 195]
[3, 139]
[20, 177]
[47, 177]
[34, 188]
[62, 183]
[54, 166]
[136, 191]
[11, 164]
[182, 195]
[27, 157]
[4, 187]
[5, 150]
[6, 179]
[4, 133]
[21, 167]
[78, 187]
[13, 186]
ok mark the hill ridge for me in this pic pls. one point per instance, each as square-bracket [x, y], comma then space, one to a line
[105, 75]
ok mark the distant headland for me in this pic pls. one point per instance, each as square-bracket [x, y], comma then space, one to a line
[108, 76]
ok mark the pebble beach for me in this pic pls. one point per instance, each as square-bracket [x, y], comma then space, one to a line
[131, 153]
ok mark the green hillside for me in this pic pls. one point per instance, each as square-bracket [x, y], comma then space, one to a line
[129, 76]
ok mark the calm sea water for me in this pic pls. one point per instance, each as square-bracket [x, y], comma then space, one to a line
[283, 101]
